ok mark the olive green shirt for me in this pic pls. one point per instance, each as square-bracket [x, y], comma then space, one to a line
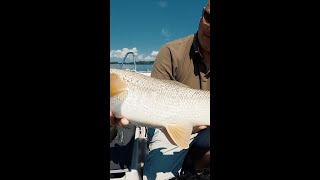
[181, 60]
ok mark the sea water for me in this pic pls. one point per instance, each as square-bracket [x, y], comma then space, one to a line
[140, 67]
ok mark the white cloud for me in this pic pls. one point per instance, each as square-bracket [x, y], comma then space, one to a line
[149, 58]
[165, 33]
[154, 53]
[140, 57]
[121, 53]
[152, 56]
[162, 4]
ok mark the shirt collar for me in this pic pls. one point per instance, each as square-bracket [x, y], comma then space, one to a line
[195, 45]
[196, 49]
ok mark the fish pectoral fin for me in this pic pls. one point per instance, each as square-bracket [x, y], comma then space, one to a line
[117, 85]
[180, 134]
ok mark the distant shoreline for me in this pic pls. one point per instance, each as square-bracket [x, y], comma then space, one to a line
[138, 62]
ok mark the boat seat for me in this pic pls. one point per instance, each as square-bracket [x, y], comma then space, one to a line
[127, 153]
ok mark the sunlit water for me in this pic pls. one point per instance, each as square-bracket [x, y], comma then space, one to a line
[140, 67]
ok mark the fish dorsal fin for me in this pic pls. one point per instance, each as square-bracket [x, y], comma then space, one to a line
[117, 85]
[180, 134]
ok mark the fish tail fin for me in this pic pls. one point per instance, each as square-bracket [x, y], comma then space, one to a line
[180, 134]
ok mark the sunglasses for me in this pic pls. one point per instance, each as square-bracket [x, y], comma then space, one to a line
[206, 16]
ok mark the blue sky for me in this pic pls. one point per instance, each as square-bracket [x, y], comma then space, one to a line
[143, 26]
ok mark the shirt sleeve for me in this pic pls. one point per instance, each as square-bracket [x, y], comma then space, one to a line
[163, 65]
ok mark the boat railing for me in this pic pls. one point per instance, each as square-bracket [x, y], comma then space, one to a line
[133, 58]
[146, 72]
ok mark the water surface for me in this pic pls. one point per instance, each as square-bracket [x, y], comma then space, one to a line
[140, 67]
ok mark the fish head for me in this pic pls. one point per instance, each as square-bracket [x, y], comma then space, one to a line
[117, 85]
[118, 93]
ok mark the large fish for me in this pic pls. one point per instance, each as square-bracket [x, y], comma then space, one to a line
[155, 103]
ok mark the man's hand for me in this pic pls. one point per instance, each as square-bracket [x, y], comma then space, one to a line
[196, 129]
[117, 121]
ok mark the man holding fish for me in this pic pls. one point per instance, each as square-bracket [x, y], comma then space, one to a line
[187, 62]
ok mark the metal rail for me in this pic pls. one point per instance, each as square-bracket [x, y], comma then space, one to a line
[134, 60]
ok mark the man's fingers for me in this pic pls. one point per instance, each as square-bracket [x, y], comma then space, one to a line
[124, 122]
[202, 127]
[198, 128]
[112, 120]
[117, 121]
